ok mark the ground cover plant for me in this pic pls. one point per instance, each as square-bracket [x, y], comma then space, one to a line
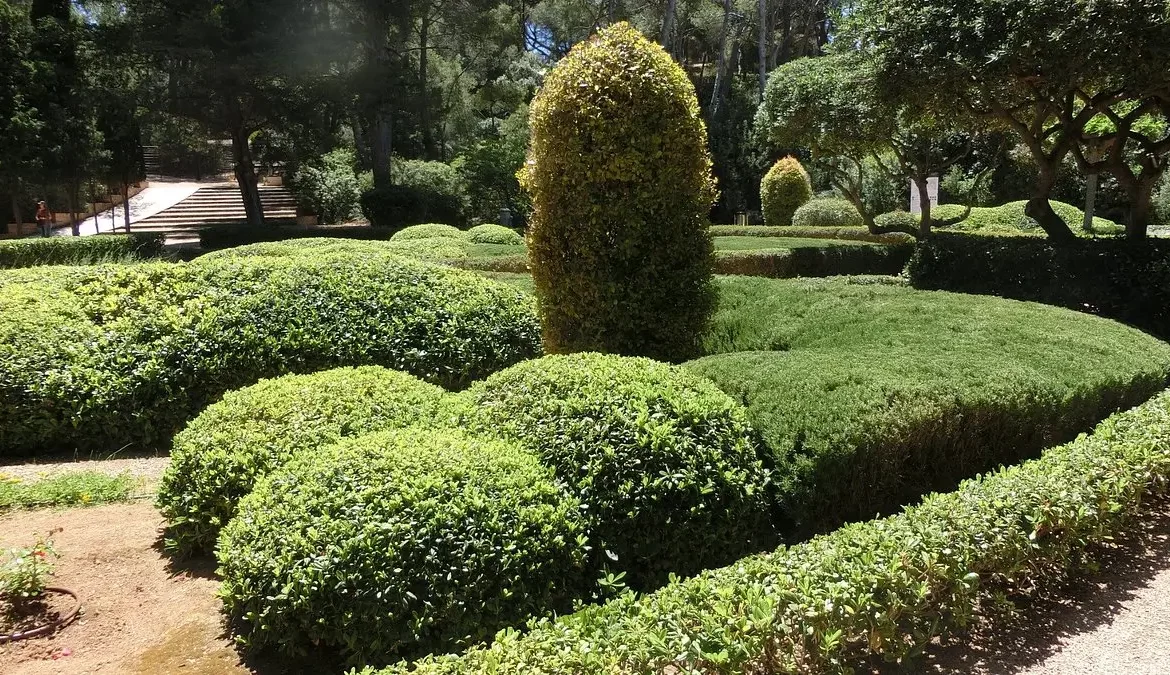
[108, 356]
[79, 250]
[864, 405]
[812, 608]
[76, 488]
[218, 457]
[401, 543]
[662, 461]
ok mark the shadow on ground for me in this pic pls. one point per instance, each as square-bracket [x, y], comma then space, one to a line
[1007, 644]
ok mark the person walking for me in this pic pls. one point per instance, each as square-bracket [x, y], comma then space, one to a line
[44, 219]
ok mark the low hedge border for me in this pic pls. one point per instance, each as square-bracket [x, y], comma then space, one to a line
[845, 233]
[227, 236]
[883, 588]
[102, 248]
[828, 261]
[1115, 278]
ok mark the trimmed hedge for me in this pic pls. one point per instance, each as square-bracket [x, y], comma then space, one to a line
[1011, 219]
[621, 185]
[398, 206]
[661, 459]
[429, 231]
[102, 248]
[831, 212]
[219, 456]
[1119, 279]
[433, 249]
[401, 543]
[124, 355]
[847, 233]
[883, 588]
[868, 396]
[226, 236]
[815, 261]
[784, 189]
[489, 233]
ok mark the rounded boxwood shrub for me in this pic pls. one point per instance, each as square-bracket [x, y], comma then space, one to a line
[429, 231]
[903, 219]
[830, 212]
[785, 188]
[621, 185]
[661, 459]
[401, 543]
[219, 456]
[126, 355]
[489, 233]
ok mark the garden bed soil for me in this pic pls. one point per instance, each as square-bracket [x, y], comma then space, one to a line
[139, 615]
[51, 608]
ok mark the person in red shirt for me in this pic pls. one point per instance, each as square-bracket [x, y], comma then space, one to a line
[44, 219]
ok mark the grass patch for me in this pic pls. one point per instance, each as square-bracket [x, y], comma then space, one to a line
[80, 488]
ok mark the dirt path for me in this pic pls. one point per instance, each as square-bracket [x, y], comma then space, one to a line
[139, 617]
[1115, 623]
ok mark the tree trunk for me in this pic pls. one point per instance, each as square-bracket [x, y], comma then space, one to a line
[1040, 210]
[668, 26]
[17, 216]
[245, 171]
[924, 222]
[1090, 201]
[424, 117]
[1140, 206]
[720, 63]
[762, 46]
[74, 188]
[126, 203]
[381, 146]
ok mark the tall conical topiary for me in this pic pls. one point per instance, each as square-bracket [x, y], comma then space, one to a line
[785, 188]
[621, 185]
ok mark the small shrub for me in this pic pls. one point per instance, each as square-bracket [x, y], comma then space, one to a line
[903, 219]
[494, 234]
[621, 186]
[832, 212]
[328, 187]
[109, 356]
[429, 231]
[219, 456]
[398, 206]
[875, 591]
[401, 543]
[662, 460]
[785, 188]
[79, 250]
[25, 574]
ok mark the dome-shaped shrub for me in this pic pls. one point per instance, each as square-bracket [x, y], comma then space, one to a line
[221, 454]
[429, 231]
[489, 233]
[785, 188]
[899, 219]
[621, 186]
[401, 543]
[662, 459]
[828, 212]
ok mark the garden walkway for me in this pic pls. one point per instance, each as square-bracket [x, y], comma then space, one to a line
[160, 195]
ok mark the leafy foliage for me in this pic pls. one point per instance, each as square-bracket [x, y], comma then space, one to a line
[864, 408]
[79, 250]
[429, 231]
[785, 188]
[329, 187]
[812, 608]
[222, 453]
[827, 212]
[494, 234]
[401, 543]
[398, 206]
[621, 184]
[661, 460]
[814, 261]
[107, 356]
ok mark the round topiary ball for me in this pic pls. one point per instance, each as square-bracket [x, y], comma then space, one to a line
[401, 543]
[621, 185]
[429, 231]
[219, 456]
[828, 212]
[489, 233]
[785, 188]
[662, 460]
[900, 220]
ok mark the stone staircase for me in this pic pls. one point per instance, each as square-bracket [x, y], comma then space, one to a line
[150, 159]
[219, 205]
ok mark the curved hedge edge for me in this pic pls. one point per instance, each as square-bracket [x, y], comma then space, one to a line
[843, 233]
[811, 607]
[100, 248]
[516, 264]
[815, 262]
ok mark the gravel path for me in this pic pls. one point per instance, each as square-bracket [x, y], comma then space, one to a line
[149, 468]
[1115, 623]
